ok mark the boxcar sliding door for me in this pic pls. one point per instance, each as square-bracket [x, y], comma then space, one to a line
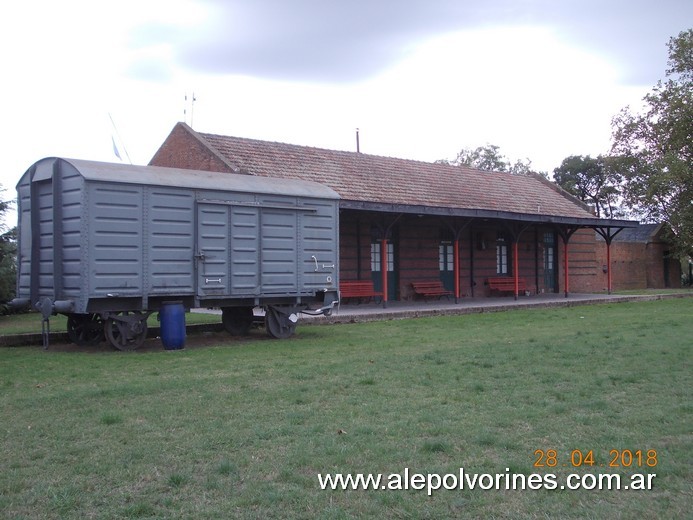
[212, 252]
[279, 253]
[243, 250]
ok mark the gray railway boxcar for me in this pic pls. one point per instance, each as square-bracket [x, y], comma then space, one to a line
[108, 244]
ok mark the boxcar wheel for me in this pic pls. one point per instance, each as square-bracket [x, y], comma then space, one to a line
[278, 324]
[237, 320]
[127, 330]
[85, 329]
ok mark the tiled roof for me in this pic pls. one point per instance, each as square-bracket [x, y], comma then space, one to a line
[643, 233]
[375, 179]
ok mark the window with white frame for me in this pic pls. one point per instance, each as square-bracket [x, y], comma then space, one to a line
[502, 256]
[376, 257]
[446, 261]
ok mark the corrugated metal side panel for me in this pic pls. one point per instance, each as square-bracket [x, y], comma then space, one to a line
[72, 207]
[170, 238]
[245, 250]
[24, 238]
[320, 239]
[213, 249]
[278, 250]
[43, 198]
[50, 232]
[115, 239]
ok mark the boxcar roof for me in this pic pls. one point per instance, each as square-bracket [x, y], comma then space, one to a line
[174, 177]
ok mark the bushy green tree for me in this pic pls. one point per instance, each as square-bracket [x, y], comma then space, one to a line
[8, 254]
[656, 148]
[489, 158]
[594, 181]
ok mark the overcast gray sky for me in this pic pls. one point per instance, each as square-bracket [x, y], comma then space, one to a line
[421, 79]
[349, 41]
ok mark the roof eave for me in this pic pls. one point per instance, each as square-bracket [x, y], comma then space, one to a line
[538, 218]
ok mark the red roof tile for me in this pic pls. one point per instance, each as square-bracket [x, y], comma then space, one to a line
[375, 179]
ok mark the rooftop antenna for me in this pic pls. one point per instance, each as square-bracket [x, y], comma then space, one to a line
[192, 108]
[120, 140]
[358, 145]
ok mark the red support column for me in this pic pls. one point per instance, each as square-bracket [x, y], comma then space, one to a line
[457, 269]
[383, 266]
[565, 268]
[608, 267]
[516, 275]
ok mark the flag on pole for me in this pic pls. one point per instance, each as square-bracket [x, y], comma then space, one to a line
[115, 148]
[114, 134]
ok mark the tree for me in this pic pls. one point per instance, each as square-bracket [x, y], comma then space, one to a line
[656, 148]
[8, 255]
[592, 180]
[489, 158]
[486, 158]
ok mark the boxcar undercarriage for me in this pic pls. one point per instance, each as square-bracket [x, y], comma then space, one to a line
[127, 330]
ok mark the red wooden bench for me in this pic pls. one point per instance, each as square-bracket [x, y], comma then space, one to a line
[506, 284]
[358, 289]
[429, 289]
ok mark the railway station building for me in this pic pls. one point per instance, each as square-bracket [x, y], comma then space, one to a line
[415, 229]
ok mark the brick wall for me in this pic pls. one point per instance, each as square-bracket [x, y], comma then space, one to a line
[183, 150]
[354, 247]
[628, 265]
[637, 265]
[582, 263]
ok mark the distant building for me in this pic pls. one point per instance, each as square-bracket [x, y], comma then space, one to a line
[404, 221]
[640, 259]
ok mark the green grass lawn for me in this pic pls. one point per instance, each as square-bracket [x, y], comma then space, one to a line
[242, 428]
[679, 290]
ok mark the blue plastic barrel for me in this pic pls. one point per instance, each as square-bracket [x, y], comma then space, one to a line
[172, 317]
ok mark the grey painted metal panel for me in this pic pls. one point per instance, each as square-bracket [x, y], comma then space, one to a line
[44, 201]
[245, 251]
[96, 236]
[71, 252]
[279, 238]
[115, 240]
[269, 248]
[318, 241]
[23, 240]
[171, 241]
[212, 250]
[50, 232]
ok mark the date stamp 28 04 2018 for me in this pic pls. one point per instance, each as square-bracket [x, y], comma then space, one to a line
[585, 458]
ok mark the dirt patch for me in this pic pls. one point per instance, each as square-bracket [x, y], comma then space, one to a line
[192, 341]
